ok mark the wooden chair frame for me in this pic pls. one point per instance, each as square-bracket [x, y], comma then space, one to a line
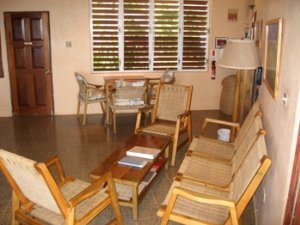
[236, 209]
[129, 92]
[86, 91]
[21, 205]
[182, 124]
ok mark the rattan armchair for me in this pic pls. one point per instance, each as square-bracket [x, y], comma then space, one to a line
[89, 94]
[212, 148]
[126, 97]
[193, 202]
[220, 172]
[39, 196]
[170, 115]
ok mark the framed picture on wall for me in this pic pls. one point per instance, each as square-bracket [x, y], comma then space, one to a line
[272, 53]
[221, 42]
[232, 15]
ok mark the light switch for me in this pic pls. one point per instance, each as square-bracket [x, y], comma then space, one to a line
[68, 44]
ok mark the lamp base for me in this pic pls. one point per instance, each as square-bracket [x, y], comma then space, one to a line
[243, 95]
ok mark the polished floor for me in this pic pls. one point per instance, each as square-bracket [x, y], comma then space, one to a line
[81, 148]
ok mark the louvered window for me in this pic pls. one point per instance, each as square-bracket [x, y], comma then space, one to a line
[136, 34]
[149, 35]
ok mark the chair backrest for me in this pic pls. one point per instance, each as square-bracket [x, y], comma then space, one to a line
[129, 95]
[254, 132]
[168, 77]
[171, 101]
[26, 180]
[244, 130]
[82, 83]
[250, 174]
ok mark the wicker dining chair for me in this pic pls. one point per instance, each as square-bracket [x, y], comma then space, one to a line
[170, 115]
[41, 193]
[126, 97]
[89, 94]
[192, 202]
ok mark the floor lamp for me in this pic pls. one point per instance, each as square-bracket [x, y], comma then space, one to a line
[242, 56]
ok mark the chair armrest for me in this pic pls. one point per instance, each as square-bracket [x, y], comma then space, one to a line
[221, 122]
[149, 108]
[55, 161]
[91, 190]
[96, 86]
[185, 114]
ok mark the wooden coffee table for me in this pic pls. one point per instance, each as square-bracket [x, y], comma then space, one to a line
[129, 179]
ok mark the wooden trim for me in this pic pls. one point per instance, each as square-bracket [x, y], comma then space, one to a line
[1, 60]
[292, 201]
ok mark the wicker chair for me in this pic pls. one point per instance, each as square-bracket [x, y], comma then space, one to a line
[221, 150]
[192, 202]
[89, 94]
[170, 115]
[38, 197]
[219, 172]
[127, 98]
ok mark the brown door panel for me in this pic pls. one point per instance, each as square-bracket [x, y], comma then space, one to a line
[29, 54]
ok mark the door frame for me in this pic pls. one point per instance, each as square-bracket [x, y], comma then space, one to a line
[293, 201]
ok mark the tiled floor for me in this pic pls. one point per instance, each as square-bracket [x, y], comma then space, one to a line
[80, 149]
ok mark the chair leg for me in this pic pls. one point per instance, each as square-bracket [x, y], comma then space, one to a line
[84, 113]
[114, 201]
[168, 209]
[70, 216]
[174, 150]
[189, 127]
[78, 107]
[114, 122]
[103, 111]
[14, 207]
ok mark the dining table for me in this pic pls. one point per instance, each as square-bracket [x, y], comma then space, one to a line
[109, 83]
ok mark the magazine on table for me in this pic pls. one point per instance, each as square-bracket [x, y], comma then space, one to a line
[133, 161]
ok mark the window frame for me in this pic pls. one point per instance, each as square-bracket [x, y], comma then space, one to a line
[151, 45]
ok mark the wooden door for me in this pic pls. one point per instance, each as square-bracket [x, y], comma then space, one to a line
[29, 58]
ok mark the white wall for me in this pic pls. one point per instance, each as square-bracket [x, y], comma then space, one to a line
[280, 122]
[69, 21]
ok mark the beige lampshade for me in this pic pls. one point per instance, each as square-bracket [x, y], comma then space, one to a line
[240, 54]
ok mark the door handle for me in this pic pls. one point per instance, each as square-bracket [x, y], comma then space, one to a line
[47, 71]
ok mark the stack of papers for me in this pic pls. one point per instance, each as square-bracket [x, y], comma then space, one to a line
[143, 152]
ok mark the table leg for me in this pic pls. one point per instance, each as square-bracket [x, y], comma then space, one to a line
[167, 156]
[107, 121]
[135, 195]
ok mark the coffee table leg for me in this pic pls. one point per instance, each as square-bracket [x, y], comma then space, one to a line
[135, 201]
[167, 156]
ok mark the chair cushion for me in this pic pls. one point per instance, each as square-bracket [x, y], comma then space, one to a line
[69, 190]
